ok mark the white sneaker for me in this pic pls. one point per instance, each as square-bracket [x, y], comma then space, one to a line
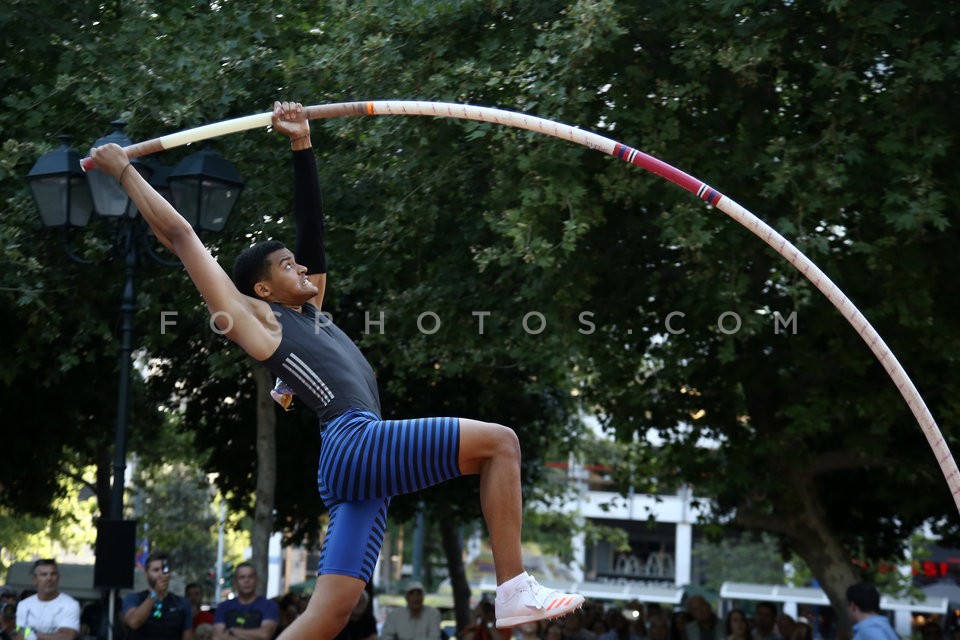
[531, 602]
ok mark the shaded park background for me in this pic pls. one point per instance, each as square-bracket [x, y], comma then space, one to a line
[833, 121]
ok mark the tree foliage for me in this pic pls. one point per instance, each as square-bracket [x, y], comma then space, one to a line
[69, 529]
[741, 558]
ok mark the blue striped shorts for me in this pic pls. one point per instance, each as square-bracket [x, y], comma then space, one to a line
[363, 462]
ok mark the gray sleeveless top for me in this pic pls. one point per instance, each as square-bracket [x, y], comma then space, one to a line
[323, 366]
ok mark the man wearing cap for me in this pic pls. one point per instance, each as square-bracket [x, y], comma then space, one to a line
[48, 614]
[414, 622]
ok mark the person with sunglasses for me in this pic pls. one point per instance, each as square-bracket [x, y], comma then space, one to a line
[157, 614]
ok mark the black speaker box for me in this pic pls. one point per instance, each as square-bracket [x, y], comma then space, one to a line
[116, 553]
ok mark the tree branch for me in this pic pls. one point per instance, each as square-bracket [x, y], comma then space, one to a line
[760, 522]
[842, 459]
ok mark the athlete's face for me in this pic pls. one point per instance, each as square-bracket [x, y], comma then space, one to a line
[288, 283]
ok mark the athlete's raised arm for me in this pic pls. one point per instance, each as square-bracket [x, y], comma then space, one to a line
[243, 319]
[310, 250]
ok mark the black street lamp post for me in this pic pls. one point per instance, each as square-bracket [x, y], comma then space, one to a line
[203, 187]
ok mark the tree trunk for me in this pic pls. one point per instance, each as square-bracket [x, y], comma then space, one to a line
[266, 476]
[811, 536]
[807, 531]
[453, 550]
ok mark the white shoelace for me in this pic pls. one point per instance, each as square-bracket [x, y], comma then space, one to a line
[540, 594]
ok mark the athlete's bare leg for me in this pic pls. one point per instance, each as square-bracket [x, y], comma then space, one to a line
[328, 611]
[493, 451]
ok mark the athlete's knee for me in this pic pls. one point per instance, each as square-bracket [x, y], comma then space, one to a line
[484, 442]
[507, 442]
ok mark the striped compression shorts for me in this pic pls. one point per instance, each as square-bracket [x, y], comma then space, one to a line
[363, 462]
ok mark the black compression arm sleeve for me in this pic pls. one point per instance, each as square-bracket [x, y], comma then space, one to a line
[308, 213]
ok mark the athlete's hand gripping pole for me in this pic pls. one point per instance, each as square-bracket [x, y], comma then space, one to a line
[226, 127]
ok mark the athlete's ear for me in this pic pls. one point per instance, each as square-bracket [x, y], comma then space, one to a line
[262, 289]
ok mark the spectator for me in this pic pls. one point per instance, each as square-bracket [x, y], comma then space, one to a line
[415, 621]
[737, 627]
[863, 605]
[8, 621]
[92, 620]
[802, 630]
[636, 619]
[599, 626]
[617, 627]
[361, 625]
[785, 626]
[526, 631]
[679, 620]
[764, 622]
[704, 624]
[593, 618]
[248, 616]
[8, 596]
[658, 627]
[157, 614]
[288, 609]
[554, 631]
[194, 594]
[931, 631]
[48, 614]
[486, 627]
[573, 628]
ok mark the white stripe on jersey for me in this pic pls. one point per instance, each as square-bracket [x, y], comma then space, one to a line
[308, 377]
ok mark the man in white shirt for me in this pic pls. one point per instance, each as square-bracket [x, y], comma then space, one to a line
[48, 614]
[414, 622]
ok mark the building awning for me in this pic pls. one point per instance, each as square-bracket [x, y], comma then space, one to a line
[813, 595]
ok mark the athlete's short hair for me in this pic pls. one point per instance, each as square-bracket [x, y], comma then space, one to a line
[251, 266]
